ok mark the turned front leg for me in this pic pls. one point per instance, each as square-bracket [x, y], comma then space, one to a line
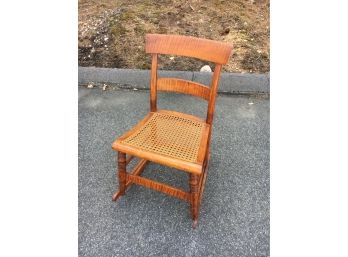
[194, 190]
[121, 161]
[122, 171]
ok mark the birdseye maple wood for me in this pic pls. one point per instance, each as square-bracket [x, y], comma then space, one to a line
[156, 139]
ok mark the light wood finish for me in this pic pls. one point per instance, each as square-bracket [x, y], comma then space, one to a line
[160, 187]
[205, 49]
[138, 169]
[213, 92]
[170, 138]
[204, 147]
[183, 86]
[203, 178]
[153, 91]
[122, 175]
[194, 191]
[166, 137]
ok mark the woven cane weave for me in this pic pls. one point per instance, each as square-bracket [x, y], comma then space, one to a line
[169, 135]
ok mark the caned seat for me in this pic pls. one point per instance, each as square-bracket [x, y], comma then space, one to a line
[172, 138]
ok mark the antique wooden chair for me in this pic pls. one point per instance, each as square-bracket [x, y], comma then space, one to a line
[171, 138]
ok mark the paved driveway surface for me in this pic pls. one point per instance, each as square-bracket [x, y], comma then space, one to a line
[234, 215]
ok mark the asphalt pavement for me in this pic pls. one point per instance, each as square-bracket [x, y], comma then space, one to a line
[229, 82]
[234, 214]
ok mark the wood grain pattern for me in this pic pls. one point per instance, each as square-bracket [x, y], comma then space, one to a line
[202, 181]
[213, 93]
[194, 191]
[205, 49]
[152, 141]
[169, 190]
[161, 159]
[183, 86]
[138, 169]
[203, 148]
[153, 85]
[122, 171]
[121, 160]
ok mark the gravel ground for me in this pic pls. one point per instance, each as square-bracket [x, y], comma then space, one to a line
[234, 215]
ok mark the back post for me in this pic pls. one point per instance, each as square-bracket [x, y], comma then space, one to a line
[213, 92]
[153, 83]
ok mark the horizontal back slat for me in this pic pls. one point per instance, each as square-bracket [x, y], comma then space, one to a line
[205, 49]
[183, 86]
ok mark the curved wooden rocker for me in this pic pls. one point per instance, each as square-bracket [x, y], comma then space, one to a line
[171, 138]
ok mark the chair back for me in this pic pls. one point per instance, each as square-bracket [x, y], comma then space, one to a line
[204, 49]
